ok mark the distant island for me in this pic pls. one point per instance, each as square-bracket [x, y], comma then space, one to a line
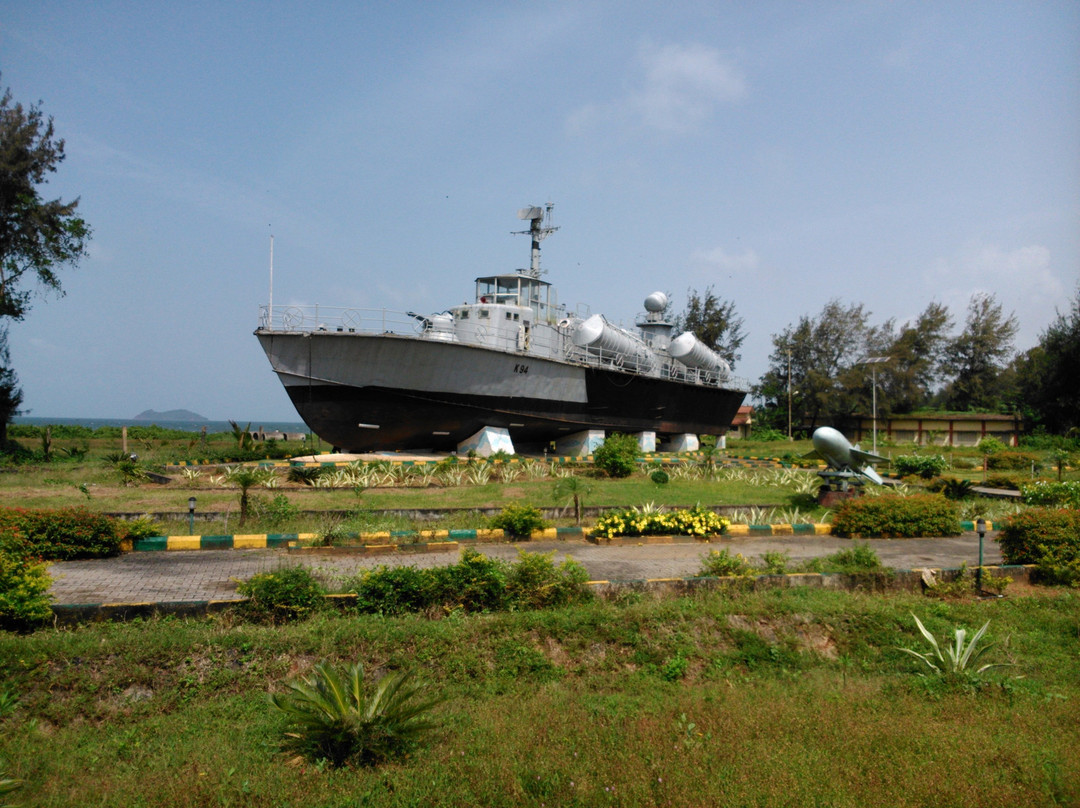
[168, 415]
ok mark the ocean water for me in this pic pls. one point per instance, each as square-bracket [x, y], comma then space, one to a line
[186, 426]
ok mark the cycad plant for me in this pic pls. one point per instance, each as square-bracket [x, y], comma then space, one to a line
[572, 489]
[331, 718]
[961, 658]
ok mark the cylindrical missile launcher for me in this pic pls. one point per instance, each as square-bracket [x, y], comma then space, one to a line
[598, 336]
[693, 353]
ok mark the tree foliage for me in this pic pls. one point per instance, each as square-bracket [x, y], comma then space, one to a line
[824, 353]
[37, 235]
[1047, 377]
[977, 357]
[713, 321]
[915, 350]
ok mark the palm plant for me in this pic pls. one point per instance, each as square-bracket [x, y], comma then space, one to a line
[331, 718]
[572, 489]
[960, 658]
[245, 479]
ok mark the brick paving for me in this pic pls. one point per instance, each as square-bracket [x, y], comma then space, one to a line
[200, 575]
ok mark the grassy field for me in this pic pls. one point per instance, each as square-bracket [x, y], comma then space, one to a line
[789, 697]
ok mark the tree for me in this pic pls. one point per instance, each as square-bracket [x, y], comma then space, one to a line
[714, 322]
[10, 394]
[976, 358]
[823, 353]
[1046, 384]
[915, 353]
[37, 236]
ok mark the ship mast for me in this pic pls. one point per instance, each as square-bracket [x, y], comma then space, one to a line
[539, 228]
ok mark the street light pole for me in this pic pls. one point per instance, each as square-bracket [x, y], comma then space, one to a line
[789, 394]
[873, 362]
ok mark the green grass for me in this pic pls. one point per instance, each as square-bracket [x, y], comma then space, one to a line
[785, 697]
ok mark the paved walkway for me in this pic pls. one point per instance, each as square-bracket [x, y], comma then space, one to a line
[162, 577]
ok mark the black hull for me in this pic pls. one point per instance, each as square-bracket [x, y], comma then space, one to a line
[417, 420]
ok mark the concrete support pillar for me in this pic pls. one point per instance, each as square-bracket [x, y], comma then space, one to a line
[487, 441]
[686, 442]
[580, 444]
[646, 441]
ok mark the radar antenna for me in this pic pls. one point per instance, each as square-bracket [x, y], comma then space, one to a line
[539, 228]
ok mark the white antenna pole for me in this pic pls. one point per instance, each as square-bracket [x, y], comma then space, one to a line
[270, 308]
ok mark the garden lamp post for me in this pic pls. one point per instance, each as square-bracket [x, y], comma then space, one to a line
[191, 515]
[980, 528]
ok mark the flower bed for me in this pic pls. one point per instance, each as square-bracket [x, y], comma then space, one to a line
[696, 521]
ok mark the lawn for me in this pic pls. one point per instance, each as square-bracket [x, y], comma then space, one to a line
[787, 697]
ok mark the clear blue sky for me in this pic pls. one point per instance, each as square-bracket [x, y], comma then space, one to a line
[787, 153]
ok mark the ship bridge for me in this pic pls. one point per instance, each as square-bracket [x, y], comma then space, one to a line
[520, 289]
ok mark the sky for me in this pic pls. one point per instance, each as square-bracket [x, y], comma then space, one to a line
[784, 153]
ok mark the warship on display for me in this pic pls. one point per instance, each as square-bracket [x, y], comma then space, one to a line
[513, 363]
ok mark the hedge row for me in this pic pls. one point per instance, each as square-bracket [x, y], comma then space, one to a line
[476, 583]
[892, 516]
[62, 534]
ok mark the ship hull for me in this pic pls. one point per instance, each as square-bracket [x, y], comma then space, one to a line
[364, 392]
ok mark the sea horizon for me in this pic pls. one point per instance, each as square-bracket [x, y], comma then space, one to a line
[182, 425]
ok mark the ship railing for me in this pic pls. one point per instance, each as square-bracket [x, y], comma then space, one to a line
[336, 318]
[613, 360]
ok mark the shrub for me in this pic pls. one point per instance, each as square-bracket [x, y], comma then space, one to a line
[617, 456]
[140, 528]
[924, 466]
[894, 516]
[24, 585]
[476, 583]
[767, 433]
[990, 446]
[859, 558]
[721, 564]
[519, 520]
[1049, 538]
[536, 582]
[394, 590]
[1012, 461]
[306, 475]
[1061, 495]
[331, 718]
[276, 512]
[1004, 481]
[63, 534]
[285, 594]
[660, 477]
[951, 488]
[696, 521]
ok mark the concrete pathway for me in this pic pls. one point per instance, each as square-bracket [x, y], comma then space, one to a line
[171, 576]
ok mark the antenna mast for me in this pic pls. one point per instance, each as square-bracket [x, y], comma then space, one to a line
[539, 228]
[270, 308]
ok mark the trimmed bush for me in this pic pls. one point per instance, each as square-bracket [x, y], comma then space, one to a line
[63, 534]
[476, 583]
[617, 456]
[394, 590]
[925, 466]
[1012, 461]
[536, 582]
[897, 517]
[1047, 537]
[24, 585]
[286, 594]
[660, 477]
[519, 521]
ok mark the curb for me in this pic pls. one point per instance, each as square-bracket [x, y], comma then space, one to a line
[897, 580]
[383, 539]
